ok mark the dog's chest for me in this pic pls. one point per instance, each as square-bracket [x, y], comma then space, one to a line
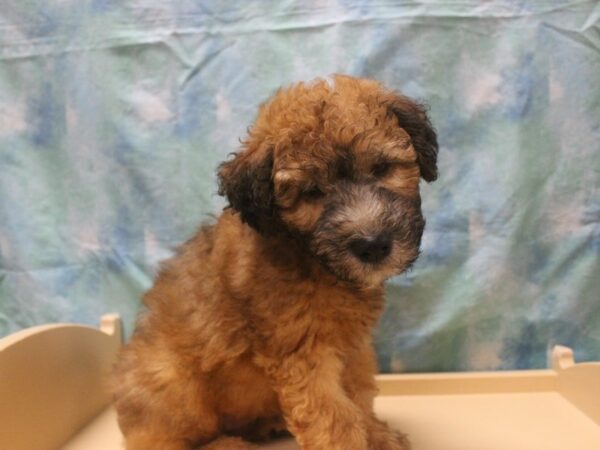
[296, 318]
[244, 394]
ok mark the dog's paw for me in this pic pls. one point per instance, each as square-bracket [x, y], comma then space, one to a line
[386, 439]
[267, 429]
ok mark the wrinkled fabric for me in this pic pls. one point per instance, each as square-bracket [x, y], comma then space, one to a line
[114, 116]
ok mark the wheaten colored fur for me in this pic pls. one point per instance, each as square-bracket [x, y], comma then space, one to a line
[262, 322]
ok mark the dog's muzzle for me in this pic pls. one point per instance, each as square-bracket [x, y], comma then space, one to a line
[366, 230]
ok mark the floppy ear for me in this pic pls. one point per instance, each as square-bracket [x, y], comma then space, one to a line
[412, 116]
[246, 181]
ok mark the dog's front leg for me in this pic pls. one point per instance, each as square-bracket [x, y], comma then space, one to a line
[358, 380]
[316, 408]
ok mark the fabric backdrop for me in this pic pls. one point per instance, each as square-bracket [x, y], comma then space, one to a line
[115, 114]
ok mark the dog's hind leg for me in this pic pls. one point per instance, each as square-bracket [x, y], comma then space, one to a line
[229, 443]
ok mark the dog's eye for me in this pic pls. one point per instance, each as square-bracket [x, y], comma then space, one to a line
[381, 169]
[312, 193]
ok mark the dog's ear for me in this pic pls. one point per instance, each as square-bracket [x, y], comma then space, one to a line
[412, 116]
[246, 181]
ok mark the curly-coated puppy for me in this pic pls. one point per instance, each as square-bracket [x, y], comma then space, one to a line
[262, 322]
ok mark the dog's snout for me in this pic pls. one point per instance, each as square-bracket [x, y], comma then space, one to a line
[372, 249]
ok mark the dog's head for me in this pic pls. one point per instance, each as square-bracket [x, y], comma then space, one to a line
[338, 165]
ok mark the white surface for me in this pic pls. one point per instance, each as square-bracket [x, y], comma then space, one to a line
[540, 421]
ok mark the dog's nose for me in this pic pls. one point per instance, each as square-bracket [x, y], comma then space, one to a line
[372, 249]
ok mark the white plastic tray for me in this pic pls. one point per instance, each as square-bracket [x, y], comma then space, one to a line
[52, 396]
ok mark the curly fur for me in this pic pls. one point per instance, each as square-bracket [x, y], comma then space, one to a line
[261, 324]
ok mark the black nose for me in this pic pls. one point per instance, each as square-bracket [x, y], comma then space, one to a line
[372, 249]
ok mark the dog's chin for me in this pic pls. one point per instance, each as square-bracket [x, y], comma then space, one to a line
[350, 270]
[375, 277]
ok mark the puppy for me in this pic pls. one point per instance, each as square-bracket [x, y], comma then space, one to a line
[262, 322]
